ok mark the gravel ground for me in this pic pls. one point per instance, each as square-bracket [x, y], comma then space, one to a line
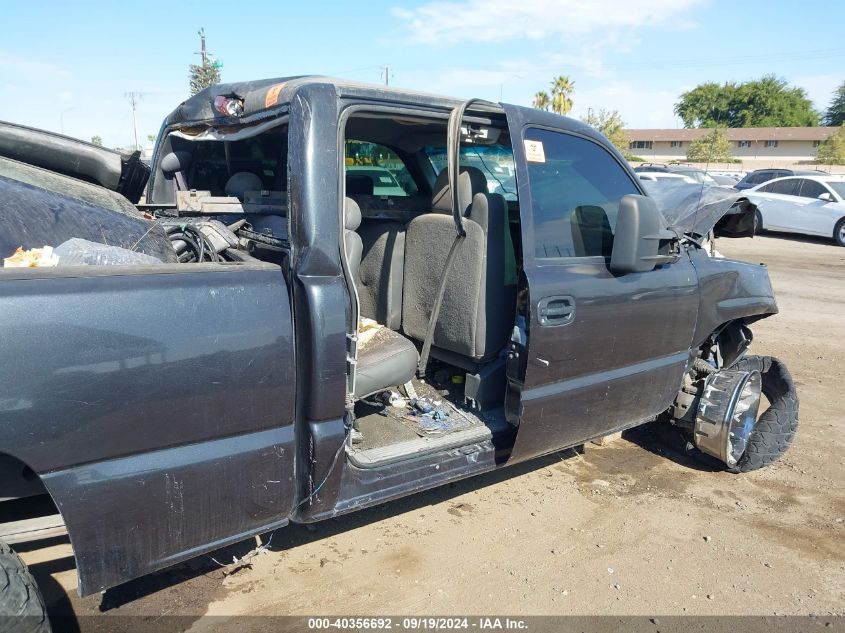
[629, 528]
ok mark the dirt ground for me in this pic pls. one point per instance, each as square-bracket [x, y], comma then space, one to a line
[630, 528]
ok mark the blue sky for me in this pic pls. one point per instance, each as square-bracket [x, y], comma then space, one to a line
[67, 66]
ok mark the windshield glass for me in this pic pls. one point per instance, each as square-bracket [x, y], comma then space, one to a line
[495, 162]
[838, 186]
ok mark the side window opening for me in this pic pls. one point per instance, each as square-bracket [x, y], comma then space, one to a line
[373, 169]
[576, 186]
[788, 187]
[811, 189]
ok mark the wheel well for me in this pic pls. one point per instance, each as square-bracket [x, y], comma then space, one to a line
[17, 479]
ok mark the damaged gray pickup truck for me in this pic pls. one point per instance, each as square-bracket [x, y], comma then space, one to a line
[490, 283]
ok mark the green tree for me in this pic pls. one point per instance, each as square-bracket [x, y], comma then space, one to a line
[612, 126]
[832, 150]
[765, 102]
[97, 140]
[204, 75]
[712, 148]
[835, 114]
[541, 100]
[562, 89]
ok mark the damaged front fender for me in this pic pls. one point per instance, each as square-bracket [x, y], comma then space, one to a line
[695, 209]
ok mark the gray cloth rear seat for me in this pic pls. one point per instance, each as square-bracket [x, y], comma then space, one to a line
[389, 359]
[476, 317]
[382, 271]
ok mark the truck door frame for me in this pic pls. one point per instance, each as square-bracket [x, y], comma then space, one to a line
[588, 363]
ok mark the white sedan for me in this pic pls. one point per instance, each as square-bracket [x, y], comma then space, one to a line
[812, 205]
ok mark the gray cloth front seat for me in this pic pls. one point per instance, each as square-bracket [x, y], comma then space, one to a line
[388, 359]
[241, 182]
[477, 314]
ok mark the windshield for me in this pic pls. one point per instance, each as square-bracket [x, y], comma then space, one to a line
[495, 162]
[838, 186]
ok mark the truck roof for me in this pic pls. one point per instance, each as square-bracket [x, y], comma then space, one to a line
[265, 95]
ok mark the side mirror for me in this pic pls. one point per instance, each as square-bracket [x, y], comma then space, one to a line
[638, 237]
[826, 197]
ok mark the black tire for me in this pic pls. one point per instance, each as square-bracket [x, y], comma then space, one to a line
[758, 222]
[839, 233]
[21, 605]
[777, 425]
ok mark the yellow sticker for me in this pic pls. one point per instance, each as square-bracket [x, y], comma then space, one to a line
[534, 152]
[272, 96]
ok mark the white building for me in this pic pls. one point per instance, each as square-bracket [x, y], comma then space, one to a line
[756, 147]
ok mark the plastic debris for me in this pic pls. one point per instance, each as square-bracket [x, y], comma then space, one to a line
[32, 258]
[393, 399]
[422, 405]
[79, 252]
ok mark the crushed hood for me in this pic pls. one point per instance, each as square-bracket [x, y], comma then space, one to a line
[696, 209]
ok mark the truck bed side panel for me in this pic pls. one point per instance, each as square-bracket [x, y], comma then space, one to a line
[156, 404]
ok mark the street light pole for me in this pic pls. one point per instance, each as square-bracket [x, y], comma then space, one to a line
[504, 81]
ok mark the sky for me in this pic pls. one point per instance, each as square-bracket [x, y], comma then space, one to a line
[68, 66]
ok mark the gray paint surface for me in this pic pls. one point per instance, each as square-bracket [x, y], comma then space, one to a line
[156, 404]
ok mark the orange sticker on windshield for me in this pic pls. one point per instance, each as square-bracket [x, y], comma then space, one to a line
[272, 96]
[534, 152]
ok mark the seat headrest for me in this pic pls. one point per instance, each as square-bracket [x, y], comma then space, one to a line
[471, 181]
[176, 161]
[351, 214]
[241, 182]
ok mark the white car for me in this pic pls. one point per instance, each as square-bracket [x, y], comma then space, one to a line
[656, 176]
[812, 205]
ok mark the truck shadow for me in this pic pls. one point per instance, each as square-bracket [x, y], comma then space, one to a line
[660, 438]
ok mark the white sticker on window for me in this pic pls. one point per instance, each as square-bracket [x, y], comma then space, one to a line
[385, 179]
[534, 152]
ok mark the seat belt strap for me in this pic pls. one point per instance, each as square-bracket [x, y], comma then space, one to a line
[438, 301]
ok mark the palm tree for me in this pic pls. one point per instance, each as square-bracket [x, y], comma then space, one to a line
[562, 89]
[541, 100]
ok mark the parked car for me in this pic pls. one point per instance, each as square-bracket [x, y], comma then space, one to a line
[811, 205]
[724, 181]
[171, 409]
[657, 176]
[382, 180]
[699, 175]
[759, 176]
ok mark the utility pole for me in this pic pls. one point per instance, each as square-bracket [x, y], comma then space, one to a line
[133, 102]
[385, 71]
[203, 52]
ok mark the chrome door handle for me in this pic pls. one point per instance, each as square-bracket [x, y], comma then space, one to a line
[556, 310]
